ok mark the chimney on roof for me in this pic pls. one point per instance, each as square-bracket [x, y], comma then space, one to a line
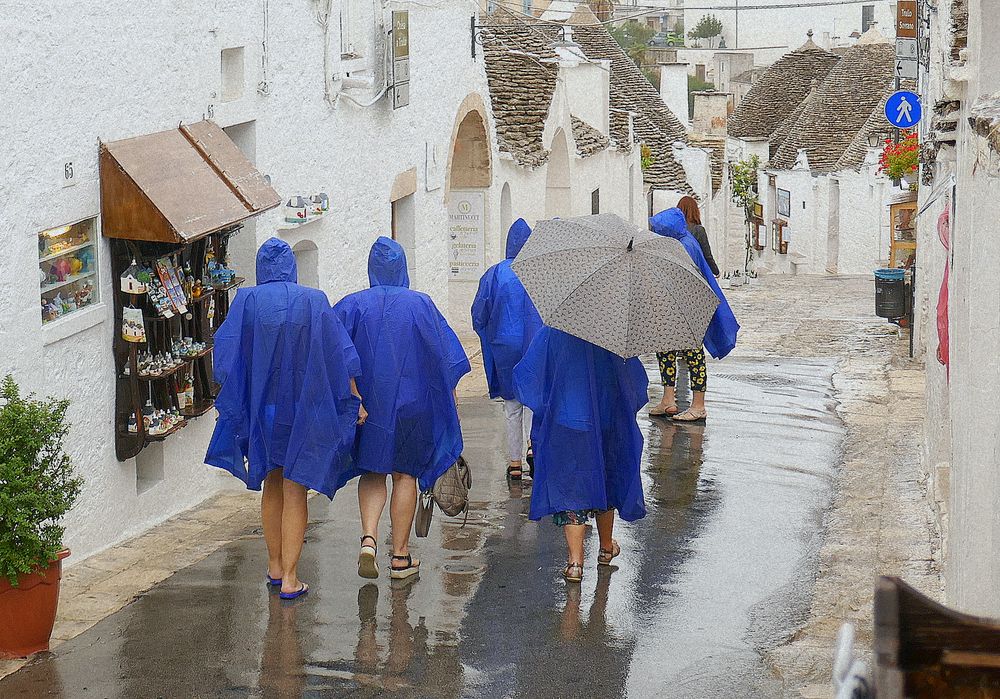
[674, 89]
[711, 112]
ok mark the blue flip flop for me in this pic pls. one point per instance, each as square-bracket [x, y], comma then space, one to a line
[273, 582]
[295, 595]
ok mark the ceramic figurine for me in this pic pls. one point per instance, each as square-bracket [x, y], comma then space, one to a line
[147, 413]
[319, 204]
[133, 426]
[296, 210]
[75, 265]
[196, 289]
[63, 269]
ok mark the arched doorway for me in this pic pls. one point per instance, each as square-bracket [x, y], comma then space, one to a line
[558, 195]
[469, 176]
[307, 260]
[506, 214]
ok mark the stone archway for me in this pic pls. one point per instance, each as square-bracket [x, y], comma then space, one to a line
[468, 178]
[558, 193]
[506, 211]
[307, 261]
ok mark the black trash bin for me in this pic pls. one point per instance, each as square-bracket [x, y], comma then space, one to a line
[890, 293]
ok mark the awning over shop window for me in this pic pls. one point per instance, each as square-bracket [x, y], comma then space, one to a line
[178, 185]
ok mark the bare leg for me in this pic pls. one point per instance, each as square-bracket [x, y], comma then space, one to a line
[698, 401]
[669, 397]
[294, 516]
[270, 515]
[574, 542]
[401, 511]
[371, 500]
[605, 528]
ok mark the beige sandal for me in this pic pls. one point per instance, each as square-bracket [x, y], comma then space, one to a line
[573, 572]
[659, 411]
[412, 567]
[367, 565]
[604, 557]
[691, 416]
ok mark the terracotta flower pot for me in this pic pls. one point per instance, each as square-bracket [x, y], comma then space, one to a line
[28, 611]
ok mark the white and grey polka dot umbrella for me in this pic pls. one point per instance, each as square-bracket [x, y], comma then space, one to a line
[616, 285]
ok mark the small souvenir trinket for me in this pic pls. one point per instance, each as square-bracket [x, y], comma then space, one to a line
[319, 204]
[133, 426]
[296, 210]
[133, 328]
[130, 282]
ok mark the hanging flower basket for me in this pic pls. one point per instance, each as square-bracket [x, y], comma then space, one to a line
[898, 160]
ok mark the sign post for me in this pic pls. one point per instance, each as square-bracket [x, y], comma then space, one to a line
[903, 109]
[906, 40]
[400, 58]
[467, 235]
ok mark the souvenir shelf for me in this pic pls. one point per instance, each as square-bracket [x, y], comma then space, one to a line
[779, 239]
[67, 269]
[903, 218]
[169, 242]
[169, 301]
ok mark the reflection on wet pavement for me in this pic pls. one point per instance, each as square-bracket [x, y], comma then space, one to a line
[718, 572]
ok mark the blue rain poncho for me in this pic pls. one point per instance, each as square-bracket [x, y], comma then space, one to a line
[584, 432]
[411, 362]
[720, 338]
[504, 317]
[285, 363]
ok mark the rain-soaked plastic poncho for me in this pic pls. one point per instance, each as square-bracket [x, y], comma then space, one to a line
[411, 362]
[504, 317]
[584, 433]
[285, 363]
[720, 338]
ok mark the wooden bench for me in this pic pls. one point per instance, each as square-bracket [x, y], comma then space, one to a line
[925, 650]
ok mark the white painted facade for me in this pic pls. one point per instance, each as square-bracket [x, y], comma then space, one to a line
[785, 26]
[963, 425]
[79, 73]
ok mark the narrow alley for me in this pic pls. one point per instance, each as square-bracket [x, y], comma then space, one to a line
[728, 588]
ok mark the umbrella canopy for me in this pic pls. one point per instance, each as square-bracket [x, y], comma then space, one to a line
[616, 285]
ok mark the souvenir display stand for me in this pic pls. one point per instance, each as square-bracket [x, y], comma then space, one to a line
[902, 219]
[169, 243]
[165, 378]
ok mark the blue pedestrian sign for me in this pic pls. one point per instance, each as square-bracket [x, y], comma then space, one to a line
[903, 109]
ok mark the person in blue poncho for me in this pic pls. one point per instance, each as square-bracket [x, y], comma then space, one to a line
[506, 321]
[720, 338]
[411, 362]
[587, 442]
[288, 403]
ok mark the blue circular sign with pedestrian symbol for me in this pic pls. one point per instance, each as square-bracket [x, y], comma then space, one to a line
[903, 109]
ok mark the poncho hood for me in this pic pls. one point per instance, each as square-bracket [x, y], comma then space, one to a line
[517, 236]
[276, 262]
[670, 223]
[387, 264]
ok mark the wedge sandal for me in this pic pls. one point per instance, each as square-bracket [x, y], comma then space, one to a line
[367, 565]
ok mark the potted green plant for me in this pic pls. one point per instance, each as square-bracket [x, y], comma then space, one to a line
[37, 488]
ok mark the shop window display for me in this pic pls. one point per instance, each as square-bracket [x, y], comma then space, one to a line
[67, 269]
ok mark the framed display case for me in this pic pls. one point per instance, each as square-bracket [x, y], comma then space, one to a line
[903, 244]
[169, 231]
[779, 236]
[68, 269]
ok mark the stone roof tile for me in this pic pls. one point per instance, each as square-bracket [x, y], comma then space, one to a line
[841, 108]
[521, 87]
[779, 91]
[589, 141]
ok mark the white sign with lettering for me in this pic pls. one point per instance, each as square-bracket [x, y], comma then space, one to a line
[467, 235]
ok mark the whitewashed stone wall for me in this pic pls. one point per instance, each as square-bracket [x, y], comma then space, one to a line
[963, 425]
[787, 26]
[83, 72]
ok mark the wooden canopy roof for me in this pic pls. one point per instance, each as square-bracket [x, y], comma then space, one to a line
[179, 185]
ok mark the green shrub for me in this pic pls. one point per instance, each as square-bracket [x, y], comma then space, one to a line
[37, 485]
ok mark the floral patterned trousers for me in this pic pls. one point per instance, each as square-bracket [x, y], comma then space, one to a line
[695, 360]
